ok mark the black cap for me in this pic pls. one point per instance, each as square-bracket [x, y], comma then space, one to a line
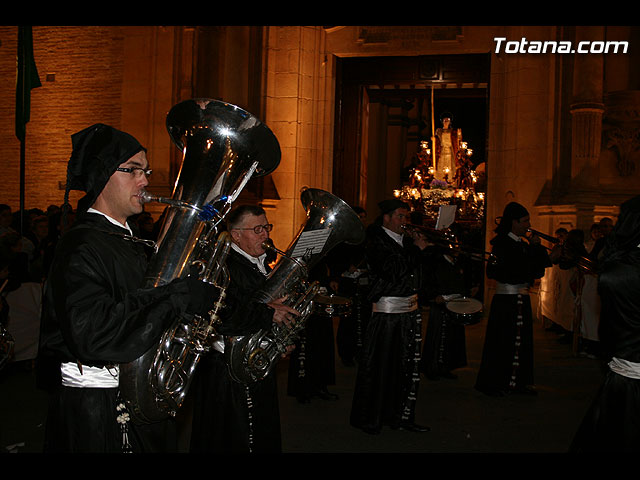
[388, 206]
[97, 152]
[513, 211]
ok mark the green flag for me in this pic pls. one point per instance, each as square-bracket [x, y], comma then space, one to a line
[27, 78]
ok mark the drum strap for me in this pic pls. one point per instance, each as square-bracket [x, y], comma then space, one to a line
[512, 289]
[396, 304]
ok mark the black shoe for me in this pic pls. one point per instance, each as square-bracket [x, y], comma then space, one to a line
[494, 393]
[370, 430]
[565, 339]
[326, 395]
[412, 427]
[554, 327]
[526, 390]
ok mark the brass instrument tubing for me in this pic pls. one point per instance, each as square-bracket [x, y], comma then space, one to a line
[544, 236]
[443, 241]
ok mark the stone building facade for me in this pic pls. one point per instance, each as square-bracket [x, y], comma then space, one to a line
[561, 128]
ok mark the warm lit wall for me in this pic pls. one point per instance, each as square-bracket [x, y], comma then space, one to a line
[546, 113]
[129, 76]
[116, 75]
[299, 110]
[81, 70]
[521, 125]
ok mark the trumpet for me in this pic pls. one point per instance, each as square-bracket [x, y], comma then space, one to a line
[447, 239]
[543, 236]
[583, 263]
[411, 229]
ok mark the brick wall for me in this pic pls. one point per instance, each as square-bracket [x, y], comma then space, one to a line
[81, 70]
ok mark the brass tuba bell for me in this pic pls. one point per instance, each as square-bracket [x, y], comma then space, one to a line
[223, 147]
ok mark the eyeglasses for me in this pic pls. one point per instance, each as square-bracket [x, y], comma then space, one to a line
[135, 171]
[258, 228]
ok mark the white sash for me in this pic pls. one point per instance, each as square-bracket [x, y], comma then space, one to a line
[396, 304]
[625, 368]
[512, 289]
[89, 377]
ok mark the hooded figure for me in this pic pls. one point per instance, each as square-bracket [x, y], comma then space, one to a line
[612, 423]
[513, 211]
[99, 311]
[98, 150]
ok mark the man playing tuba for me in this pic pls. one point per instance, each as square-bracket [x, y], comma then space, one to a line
[229, 416]
[96, 313]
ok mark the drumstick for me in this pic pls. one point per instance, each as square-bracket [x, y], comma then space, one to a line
[4, 284]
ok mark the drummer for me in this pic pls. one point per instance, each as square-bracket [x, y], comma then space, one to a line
[444, 347]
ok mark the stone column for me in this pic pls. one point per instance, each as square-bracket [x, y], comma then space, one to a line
[587, 110]
[299, 110]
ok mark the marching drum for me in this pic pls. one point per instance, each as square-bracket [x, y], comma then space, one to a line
[331, 305]
[465, 310]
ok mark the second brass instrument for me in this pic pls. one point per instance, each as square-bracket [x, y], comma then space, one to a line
[330, 221]
[582, 262]
[446, 239]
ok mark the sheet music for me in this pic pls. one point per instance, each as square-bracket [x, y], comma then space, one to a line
[446, 216]
[311, 242]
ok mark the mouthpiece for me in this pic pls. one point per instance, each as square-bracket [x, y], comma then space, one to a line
[268, 245]
[146, 197]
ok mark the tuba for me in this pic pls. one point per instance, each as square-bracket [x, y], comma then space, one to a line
[223, 146]
[330, 221]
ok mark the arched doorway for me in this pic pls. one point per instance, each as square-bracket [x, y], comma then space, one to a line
[384, 108]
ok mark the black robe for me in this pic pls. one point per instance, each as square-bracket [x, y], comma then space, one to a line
[388, 378]
[444, 342]
[507, 355]
[230, 417]
[312, 363]
[96, 312]
[612, 423]
[352, 325]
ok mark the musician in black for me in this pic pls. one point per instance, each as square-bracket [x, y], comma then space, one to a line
[228, 416]
[312, 363]
[97, 313]
[350, 277]
[507, 356]
[444, 347]
[388, 377]
[612, 423]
